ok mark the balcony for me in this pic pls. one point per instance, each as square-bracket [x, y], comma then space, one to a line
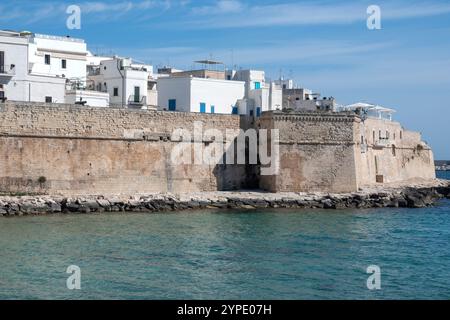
[137, 101]
[381, 143]
[6, 73]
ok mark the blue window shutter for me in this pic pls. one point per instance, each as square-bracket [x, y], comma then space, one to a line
[257, 85]
[251, 113]
[202, 107]
[234, 110]
[258, 112]
[213, 109]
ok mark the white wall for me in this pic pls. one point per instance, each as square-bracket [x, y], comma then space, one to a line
[190, 92]
[177, 88]
[250, 77]
[111, 74]
[59, 48]
[221, 94]
[92, 98]
[276, 97]
[23, 86]
[260, 98]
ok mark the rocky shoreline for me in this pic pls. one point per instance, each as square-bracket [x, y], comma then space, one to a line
[417, 196]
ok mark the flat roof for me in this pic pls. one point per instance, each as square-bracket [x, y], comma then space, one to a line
[201, 79]
[59, 38]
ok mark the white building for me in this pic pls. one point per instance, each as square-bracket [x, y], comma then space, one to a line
[302, 99]
[205, 95]
[285, 83]
[18, 80]
[42, 68]
[260, 95]
[125, 82]
[64, 57]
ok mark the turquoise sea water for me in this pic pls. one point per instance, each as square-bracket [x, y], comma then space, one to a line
[229, 255]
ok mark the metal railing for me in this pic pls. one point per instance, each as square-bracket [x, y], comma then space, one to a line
[137, 100]
[7, 70]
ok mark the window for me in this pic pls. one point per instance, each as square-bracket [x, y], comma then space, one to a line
[172, 105]
[387, 134]
[213, 109]
[379, 134]
[2, 62]
[401, 134]
[47, 59]
[116, 92]
[48, 100]
[393, 151]
[258, 111]
[64, 64]
[202, 107]
[137, 94]
[228, 77]
[257, 85]
[251, 113]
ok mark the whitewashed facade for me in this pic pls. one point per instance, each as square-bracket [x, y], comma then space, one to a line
[63, 57]
[260, 95]
[87, 98]
[17, 82]
[43, 68]
[124, 81]
[190, 94]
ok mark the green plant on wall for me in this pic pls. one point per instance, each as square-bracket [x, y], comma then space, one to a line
[42, 180]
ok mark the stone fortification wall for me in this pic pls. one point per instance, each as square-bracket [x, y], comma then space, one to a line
[68, 149]
[388, 153]
[316, 152]
[71, 149]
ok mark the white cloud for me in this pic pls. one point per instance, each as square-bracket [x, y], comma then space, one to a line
[291, 14]
[274, 53]
[122, 7]
[221, 7]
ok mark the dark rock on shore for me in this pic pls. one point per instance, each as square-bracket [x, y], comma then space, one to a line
[411, 197]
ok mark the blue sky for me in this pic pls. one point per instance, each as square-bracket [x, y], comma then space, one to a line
[323, 45]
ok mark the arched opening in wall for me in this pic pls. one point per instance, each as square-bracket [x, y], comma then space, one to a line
[394, 151]
[379, 177]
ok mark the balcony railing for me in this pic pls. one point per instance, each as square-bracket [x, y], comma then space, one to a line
[136, 100]
[6, 74]
[382, 143]
[7, 70]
